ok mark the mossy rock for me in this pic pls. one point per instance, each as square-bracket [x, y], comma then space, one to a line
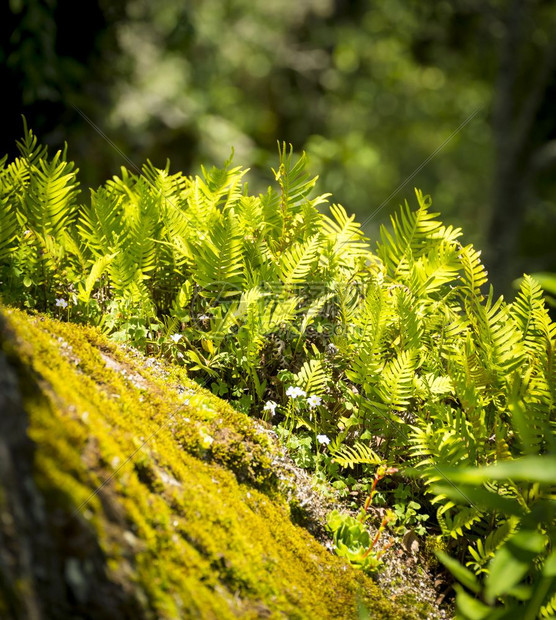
[127, 491]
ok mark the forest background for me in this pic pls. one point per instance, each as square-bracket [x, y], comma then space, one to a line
[456, 98]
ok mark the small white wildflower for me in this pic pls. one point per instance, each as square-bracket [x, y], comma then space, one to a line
[176, 337]
[295, 392]
[314, 401]
[61, 303]
[270, 406]
[323, 439]
[203, 317]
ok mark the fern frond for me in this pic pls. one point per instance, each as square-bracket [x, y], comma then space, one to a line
[220, 258]
[313, 377]
[430, 386]
[432, 446]
[464, 518]
[496, 336]
[8, 228]
[483, 550]
[295, 183]
[101, 224]
[438, 268]
[48, 201]
[344, 235]
[221, 187]
[548, 610]
[358, 454]
[411, 230]
[31, 151]
[280, 314]
[369, 321]
[396, 380]
[474, 273]
[97, 270]
[313, 311]
[298, 260]
[524, 309]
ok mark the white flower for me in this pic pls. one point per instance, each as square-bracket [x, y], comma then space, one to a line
[270, 406]
[295, 392]
[323, 439]
[314, 401]
[61, 303]
[176, 337]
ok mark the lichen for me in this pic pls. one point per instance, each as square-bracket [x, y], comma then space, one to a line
[175, 486]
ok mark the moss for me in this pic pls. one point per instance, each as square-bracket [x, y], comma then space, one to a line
[176, 486]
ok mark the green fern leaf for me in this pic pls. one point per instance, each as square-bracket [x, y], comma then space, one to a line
[396, 380]
[8, 228]
[313, 377]
[219, 265]
[298, 260]
[358, 454]
[474, 273]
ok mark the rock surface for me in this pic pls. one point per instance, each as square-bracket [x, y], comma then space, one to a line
[127, 491]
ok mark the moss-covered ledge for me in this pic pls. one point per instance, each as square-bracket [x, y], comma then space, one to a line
[127, 491]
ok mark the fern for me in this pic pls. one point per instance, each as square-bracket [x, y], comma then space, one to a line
[358, 454]
[411, 231]
[474, 274]
[219, 264]
[312, 377]
[298, 260]
[463, 519]
[97, 270]
[295, 183]
[346, 242]
[8, 228]
[396, 380]
[415, 358]
[548, 610]
[484, 550]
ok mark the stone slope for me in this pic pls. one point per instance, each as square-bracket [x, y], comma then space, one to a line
[126, 492]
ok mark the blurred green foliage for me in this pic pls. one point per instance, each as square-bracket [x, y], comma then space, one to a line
[370, 90]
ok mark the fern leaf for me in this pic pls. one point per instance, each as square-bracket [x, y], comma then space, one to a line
[548, 610]
[298, 260]
[312, 377]
[528, 300]
[8, 228]
[220, 260]
[464, 518]
[358, 454]
[396, 380]
[347, 239]
[295, 183]
[48, 201]
[410, 232]
[483, 550]
[474, 273]
[97, 269]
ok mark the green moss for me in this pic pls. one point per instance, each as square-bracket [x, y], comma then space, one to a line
[176, 486]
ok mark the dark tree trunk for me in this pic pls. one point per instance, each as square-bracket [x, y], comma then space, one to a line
[520, 92]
